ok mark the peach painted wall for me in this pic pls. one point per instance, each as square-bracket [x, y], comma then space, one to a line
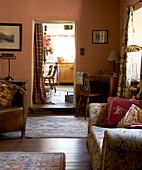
[88, 14]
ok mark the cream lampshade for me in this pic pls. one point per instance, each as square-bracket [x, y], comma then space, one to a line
[113, 57]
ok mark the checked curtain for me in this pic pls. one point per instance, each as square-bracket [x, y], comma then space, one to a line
[39, 94]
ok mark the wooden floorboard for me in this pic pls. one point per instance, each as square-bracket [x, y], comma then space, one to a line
[77, 157]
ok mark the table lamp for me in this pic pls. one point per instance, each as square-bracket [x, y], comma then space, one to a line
[114, 57]
[8, 57]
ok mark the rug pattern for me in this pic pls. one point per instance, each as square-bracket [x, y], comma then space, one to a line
[32, 160]
[54, 126]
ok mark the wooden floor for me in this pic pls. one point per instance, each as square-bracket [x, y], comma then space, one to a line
[77, 157]
[75, 149]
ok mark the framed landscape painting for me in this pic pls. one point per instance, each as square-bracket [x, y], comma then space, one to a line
[10, 37]
[99, 36]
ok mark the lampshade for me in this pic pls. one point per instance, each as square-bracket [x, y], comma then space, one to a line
[133, 48]
[114, 56]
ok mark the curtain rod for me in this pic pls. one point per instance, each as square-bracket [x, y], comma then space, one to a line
[137, 3]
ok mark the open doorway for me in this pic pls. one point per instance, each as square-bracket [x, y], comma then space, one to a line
[59, 50]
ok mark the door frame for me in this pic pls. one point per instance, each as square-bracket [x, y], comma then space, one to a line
[54, 22]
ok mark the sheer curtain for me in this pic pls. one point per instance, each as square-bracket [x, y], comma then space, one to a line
[128, 38]
[39, 94]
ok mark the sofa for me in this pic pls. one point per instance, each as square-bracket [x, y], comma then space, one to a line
[111, 146]
[13, 108]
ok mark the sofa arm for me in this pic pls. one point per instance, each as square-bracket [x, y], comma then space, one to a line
[96, 114]
[122, 139]
[122, 148]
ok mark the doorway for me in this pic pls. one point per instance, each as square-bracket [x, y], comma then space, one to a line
[59, 49]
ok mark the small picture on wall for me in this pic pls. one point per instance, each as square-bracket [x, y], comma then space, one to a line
[10, 37]
[99, 36]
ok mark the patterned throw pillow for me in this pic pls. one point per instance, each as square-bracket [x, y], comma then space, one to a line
[133, 115]
[116, 109]
[7, 93]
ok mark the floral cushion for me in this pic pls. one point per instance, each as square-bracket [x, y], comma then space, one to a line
[133, 115]
[97, 113]
[116, 109]
[7, 93]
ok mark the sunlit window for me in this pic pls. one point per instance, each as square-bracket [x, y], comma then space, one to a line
[133, 66]
[134, 58]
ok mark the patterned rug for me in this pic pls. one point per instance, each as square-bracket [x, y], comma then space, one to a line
[53, 126]
[32, 160]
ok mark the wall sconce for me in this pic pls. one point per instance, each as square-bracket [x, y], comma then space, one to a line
[113, 57]
[8, 57]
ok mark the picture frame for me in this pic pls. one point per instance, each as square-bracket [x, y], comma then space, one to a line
[10, 37]
[100, 36]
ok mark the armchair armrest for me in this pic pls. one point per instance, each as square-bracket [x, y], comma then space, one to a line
[122, 148]
[21, 99]
[96, 114]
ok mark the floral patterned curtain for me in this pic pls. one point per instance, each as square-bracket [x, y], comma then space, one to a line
[124, 84]
[39, 94]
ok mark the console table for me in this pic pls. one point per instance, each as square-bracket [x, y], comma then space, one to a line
[106, 85]
[20, 83]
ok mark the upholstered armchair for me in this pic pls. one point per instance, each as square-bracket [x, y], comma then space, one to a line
[13, 108]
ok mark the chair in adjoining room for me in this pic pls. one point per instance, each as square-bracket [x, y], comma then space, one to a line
[50, 70]
[49, 80]
[85, 92]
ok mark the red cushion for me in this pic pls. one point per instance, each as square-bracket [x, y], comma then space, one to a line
[116, 109]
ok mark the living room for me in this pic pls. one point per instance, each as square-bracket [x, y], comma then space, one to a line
[89, 15]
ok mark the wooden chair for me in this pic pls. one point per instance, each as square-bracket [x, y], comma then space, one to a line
[49, 80]
[85, 93]
[50, 70]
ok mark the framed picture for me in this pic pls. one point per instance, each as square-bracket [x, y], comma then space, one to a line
[10, 37]
[99, 36]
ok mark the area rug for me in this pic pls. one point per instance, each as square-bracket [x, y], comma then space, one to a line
[53, 126]
[32, 160]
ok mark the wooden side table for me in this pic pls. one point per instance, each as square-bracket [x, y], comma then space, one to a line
[106, 85]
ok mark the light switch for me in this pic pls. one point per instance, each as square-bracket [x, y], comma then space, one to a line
[81, 51]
